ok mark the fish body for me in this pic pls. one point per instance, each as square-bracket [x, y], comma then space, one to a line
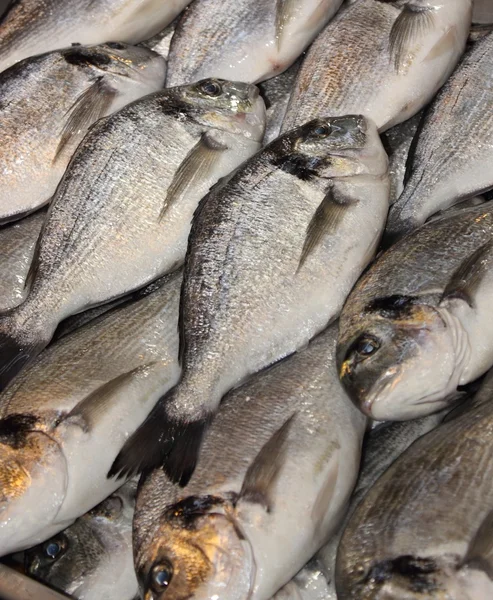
[453, 156]
[47, 104]
[65, 418]
[244, 40]
[417, 324]
[273, 252]
[276, 471]
[121, 215]
[93, 557]
[385, 60]
[424, 530]
[31, 27]
[17, 244]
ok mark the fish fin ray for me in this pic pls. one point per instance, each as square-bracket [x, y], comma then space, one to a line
[410, 25]
[480, 551]
[326, 493]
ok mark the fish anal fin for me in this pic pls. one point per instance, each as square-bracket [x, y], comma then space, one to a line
[198, 162]
[413, 22]
[263, 473]
[480, 552]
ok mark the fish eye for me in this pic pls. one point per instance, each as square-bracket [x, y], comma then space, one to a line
[161, 576]
[366, 346]
[115, 46]
[52, 549]
[322, 131]
[211, 88]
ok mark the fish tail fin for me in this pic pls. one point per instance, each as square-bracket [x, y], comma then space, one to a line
[180, 462]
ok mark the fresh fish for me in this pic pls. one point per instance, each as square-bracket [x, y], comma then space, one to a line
[385, 60]
[122, 212]
[47, 104]
[64, 418]
[275, 474]
[92, 558]
[34, 26]
[453, 156]
[425, 529]
[16, 586]
[161, 41]
[417, 324]
[273, 252]
[245, 40]
[17, 243]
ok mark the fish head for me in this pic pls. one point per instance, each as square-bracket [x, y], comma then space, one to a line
[120, 61]
[398, 360]
[232, 106]
[33, 480]
[197, 551]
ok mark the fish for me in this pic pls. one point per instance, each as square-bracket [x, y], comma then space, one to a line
[452, 157]
[276, 472]
[385, 60]
[16, 586]
[31, 27]
[161, 41]
[244, 40]
[121, 214]
[64, 419]
[17, 244]
[416, 326]
[47, 104]
[273, 251]
[93, 557]
[424, 530]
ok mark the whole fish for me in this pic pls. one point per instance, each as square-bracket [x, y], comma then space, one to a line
[273, 252]
[418, 323]
[453, 155]
[33, 26]
[272, 482]
[245, 40]
[64, 418]
[17, 243]
[385, 60]
[121, 215]
[92, 558]
[425, 529]
[47, 104]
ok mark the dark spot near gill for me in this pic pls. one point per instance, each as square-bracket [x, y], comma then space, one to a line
[418, 572]
[391, 307]
[189, 509]
[82, 57]
[303, 167]
[14, 429]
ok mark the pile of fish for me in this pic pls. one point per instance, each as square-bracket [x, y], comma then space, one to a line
[234, 236]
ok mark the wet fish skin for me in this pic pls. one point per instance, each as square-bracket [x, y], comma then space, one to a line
[236, 514]
[47, 104]
[17, 243]
[93, 557]
[245, 40]
[257, 283]
[453, 157]
[121, 215]
[414, 327]
[31, 27]
[364, 62]
[424, 529]
[64, 419]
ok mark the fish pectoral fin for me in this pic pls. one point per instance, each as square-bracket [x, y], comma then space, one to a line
[90, 106]
[411, 25]
[480, 552]
[284, 14]
[467, 279]
[263, 473]
[198, 162]
[324, 497]
[325, 221]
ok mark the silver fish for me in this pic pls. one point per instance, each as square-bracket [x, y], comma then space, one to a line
[245, 40]
[418, 323]
[385, 60]
[425, 529]
[453, 156]
[272, 254]
[64, 418]
[17, 244]
[273, 479]
[34, 26]
[47, 104]
[92, 558]
[121, 215]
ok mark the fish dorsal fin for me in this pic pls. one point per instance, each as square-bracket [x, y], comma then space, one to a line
[284, 14]
[480, 552]
[263, 473]
[411, 25]
[90, 106]
[198, 162]
[325, 221]
[468, 277]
